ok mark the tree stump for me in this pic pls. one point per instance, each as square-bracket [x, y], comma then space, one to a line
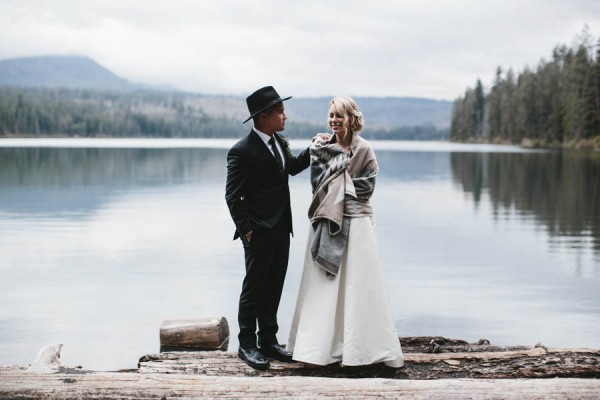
[194, 334]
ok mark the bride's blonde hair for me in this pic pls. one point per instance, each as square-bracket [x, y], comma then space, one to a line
[347, 108]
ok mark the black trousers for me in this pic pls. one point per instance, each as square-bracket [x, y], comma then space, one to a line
[266, 265]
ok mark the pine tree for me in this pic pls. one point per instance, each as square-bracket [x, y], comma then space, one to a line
[558, 102]
[591, 98]
[493, 106]
[507, 104]
[478, 109]
[576, 71]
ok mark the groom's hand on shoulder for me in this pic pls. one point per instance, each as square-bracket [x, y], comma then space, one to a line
[321, 136]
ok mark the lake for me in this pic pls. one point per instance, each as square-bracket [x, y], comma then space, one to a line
[101, 240]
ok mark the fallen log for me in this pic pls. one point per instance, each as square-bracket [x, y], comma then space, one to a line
[532, 363]
[440, 344]
[426, 375]
[16, 384]
[210, 333]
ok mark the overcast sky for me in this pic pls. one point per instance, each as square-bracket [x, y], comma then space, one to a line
[420, 48]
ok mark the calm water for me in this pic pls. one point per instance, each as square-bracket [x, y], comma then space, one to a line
[99, 245]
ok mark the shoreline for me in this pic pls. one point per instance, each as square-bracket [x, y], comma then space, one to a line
[592, 144]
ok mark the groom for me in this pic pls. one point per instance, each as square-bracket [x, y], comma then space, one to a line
[258, 197]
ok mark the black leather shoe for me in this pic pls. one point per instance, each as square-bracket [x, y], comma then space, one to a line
[277, 352]
[253, 358]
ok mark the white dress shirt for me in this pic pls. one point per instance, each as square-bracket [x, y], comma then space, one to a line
[265, 138]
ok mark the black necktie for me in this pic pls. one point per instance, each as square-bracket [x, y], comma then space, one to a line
[276, 153]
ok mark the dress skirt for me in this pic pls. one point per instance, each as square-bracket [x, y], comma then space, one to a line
[346, 318]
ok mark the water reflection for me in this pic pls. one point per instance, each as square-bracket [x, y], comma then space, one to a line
[560, 190]
[99, 245]
[93, 166]
[55, 180]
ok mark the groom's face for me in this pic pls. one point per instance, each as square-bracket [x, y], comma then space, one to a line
[274, 119]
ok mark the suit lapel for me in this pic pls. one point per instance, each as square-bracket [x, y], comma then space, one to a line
[260, 145]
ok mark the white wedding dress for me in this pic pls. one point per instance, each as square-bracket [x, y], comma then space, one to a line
[346, 318]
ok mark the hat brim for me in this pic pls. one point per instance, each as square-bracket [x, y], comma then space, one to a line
[270, 104]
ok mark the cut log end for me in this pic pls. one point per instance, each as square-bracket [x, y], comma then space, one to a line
[210, 333]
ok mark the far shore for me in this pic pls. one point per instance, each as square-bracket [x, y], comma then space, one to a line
[528, 143]
[592, 144]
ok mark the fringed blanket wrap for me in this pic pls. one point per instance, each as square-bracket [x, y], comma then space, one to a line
[342, 184]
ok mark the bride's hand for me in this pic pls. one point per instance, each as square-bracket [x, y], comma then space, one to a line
[322, 136]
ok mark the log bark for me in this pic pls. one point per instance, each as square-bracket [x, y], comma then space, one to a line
[440, 344]
[533, 363]
[198, 334]
[15, 384]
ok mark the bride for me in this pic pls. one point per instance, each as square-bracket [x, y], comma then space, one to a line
[342, 312]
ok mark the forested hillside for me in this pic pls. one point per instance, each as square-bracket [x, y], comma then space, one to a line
[556, 104]
[90, 113]
[73, 112]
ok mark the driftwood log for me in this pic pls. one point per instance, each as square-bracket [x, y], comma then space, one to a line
[210, 333]
[18, 385]
[440, 344]
[432, 363]
[425, 358]
[534, 363]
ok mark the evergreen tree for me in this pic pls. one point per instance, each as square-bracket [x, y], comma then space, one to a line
[576, 71]
[591, 98]
[508, 106]
[478, 108]
[494, 108]
[556, 103]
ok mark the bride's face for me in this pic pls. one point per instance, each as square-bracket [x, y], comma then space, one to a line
[335, 120]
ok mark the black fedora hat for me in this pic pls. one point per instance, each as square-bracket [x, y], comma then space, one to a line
[262, 99]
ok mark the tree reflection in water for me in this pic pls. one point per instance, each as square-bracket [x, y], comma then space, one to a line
[561, 190]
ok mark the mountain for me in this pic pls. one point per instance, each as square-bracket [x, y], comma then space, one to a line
[74, 72]
[84, 73]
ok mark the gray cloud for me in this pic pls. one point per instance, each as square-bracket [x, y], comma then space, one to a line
[306, 48]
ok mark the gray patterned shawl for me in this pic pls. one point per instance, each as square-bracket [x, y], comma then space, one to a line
[342, 184]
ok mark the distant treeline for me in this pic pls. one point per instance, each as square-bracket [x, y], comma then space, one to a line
[556, 104]
[89, 113]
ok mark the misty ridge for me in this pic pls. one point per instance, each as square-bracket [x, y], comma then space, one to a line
[75, 96]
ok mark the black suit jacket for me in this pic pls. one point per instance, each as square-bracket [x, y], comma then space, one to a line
[257, 193]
